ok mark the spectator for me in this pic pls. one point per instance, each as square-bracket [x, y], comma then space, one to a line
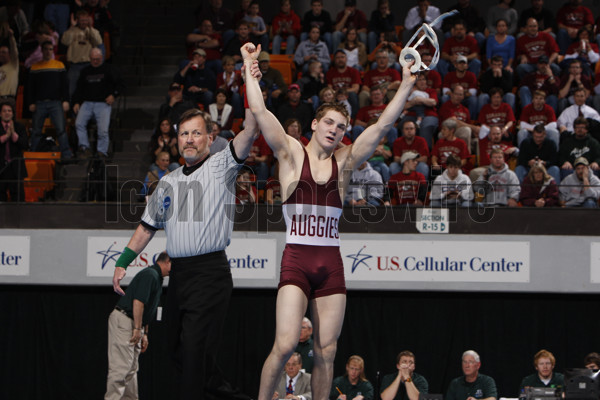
[467, 12]
[312, 49]
[343, 76]
[220, 140]
[42, 32]
[452, 187]
[356, 52]
[258, 28]
[531, 46]
[541, 79]
[221, 19]
[365, 114]
[13, 141]
[539, 189]
[241, 13]
[211, 42]
[503, 11]
[9, 63]
[79, 39]
[501, 44]
[434, 79]
[406, 384]
[592, 361]
[543, 16]
[273, 196]
[286, 26]
[220, 112]
[454, 110]
[293, 383]
[259, 160]
[199, 82]
[232, 48]
[98, 86]
[584, 51]
[380, 23]
[463, 387]
[380, 158]
[581, 188]
[295, 108]
[175, 105]
[499, 77]
[567, 118]
[544, 363]
[496, 113]
[164, 139]
[353, 383]
[489, 143]
[293, 128]
[571, 81]
[381, 75]
[408, 186]
[57, 13]
[312, 83]
[459, 44]
[538, 113]
[581, 144]
[350, 17]
[327, 95]
[159, 169]
[231, 81]
[305, 345]
[102, 20]
[571, 17]
[320, 18]
[466, 79]
[423, 109]
[272, 79]
[390, 44]
[245, 191]
[423, 12]
[14, 15]
[48, 92]
[538, 149]
[365, 188]
[410, 142]
[499, 186]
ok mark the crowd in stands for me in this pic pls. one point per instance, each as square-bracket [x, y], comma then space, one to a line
[406, 384]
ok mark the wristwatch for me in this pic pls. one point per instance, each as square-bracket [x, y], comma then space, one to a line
[409, 379]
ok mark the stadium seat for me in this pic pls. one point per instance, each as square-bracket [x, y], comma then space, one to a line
[284, 64]
[40, 174]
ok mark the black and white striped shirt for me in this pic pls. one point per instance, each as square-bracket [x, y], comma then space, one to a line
[196, 210]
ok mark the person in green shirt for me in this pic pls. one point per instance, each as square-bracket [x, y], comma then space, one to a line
[305, 345]
[473, 385]
[353, 385]
[544, 363]
[592, 361]
[406, 384]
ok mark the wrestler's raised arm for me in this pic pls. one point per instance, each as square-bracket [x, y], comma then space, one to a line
[282, 144]
[364, 146]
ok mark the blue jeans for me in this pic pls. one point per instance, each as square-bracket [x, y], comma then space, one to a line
[522, 172]
[290, 44]
[100, 111]
[563, 40]
[382, 168]
[58, 14]
[526, 98]
[54, 110]
[392, 134]
[508, 98]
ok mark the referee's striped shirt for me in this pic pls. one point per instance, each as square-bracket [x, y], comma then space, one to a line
[196, 211]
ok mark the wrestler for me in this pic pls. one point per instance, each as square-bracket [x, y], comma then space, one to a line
[313, 181]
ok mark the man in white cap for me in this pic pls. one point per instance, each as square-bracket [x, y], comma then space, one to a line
[581, 188]
[408, 186]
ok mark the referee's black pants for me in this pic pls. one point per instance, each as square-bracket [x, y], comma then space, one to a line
[197, 301]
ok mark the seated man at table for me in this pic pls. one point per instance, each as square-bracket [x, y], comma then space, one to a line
[472, 385]
[293, 383]
[405, 384]
[544, 363]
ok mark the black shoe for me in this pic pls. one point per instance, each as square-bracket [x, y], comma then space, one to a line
[84, 152]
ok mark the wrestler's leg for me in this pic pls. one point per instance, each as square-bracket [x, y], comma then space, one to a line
[290, 309]
[327, 314]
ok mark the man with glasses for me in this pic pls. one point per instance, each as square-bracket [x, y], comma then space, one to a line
[472, 385]
[544, 363]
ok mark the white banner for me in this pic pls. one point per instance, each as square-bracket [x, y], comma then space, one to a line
[439, 261]
[253, 258]
[248, 258]
[595, 262]
[14, 255]
[104, 251]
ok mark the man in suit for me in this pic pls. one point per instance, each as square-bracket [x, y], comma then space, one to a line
[13, 141]
[293, 384]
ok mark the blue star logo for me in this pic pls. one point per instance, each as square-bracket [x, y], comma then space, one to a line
[359, 259]
[109, 255]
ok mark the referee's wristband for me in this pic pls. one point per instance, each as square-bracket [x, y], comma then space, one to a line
[126, 257]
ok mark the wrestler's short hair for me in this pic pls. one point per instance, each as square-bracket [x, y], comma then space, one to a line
[322, 110]
[195, 113]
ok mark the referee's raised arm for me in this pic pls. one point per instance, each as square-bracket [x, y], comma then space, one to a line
[140, 239]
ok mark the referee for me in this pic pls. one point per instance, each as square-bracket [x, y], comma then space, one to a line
[195, 205]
